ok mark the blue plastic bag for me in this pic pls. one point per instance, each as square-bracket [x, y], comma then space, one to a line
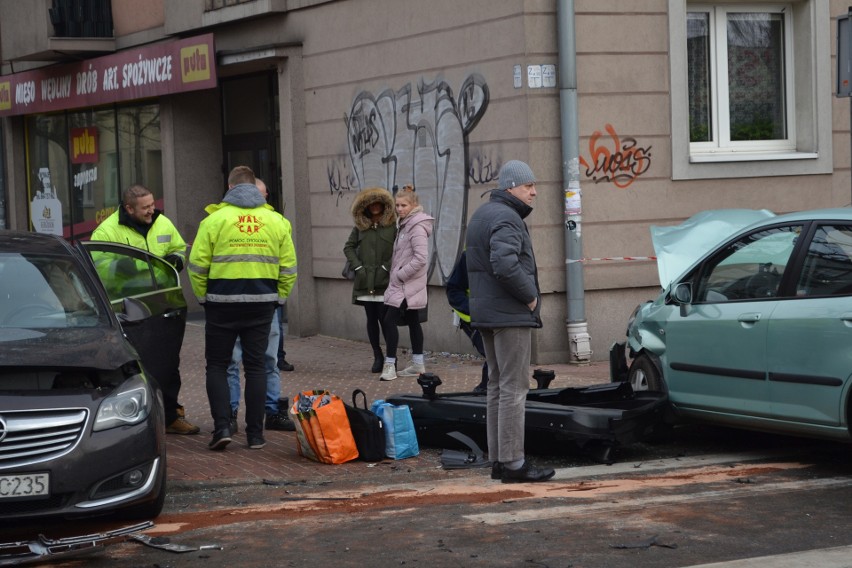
[400, 437]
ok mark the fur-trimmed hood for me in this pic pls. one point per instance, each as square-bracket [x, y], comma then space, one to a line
[361, 216]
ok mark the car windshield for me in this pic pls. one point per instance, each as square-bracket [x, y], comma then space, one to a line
[42, 291]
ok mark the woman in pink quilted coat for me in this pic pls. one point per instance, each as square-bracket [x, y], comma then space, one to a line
[406, 294]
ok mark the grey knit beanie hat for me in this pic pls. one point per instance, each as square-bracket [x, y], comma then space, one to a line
[515, 173]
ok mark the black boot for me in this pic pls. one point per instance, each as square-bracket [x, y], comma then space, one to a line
[378, 361]
[281, 421]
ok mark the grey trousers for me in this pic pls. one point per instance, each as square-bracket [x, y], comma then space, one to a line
[507, 351]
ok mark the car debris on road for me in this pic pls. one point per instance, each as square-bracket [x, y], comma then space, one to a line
[42, 548]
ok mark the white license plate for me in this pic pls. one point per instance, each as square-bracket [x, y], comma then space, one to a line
[24, 485]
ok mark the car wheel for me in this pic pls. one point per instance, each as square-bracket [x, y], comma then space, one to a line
[644, 376]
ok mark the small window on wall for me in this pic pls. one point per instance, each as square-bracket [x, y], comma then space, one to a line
[80, 161]
[750, 89]
[739, 78]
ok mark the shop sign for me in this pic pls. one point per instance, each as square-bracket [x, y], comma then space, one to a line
[150, 71]
[84, 145]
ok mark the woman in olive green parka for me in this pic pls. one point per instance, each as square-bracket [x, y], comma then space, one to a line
[369, 250]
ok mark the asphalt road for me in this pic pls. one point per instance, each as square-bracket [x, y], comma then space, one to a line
[706, 496]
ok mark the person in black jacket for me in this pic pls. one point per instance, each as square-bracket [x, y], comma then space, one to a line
[505, 307]
[458, 295]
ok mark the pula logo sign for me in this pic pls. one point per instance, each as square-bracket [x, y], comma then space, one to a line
[5, 96]
[194, 63]
[84, 145]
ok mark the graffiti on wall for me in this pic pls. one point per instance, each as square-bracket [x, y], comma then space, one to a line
[483, 169]
[617, 160]
[340, 180]
[419, 135]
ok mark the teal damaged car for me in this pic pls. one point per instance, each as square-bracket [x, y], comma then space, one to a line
[753, 327]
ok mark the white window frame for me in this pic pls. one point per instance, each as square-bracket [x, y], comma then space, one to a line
[721, 127]
[808, 148]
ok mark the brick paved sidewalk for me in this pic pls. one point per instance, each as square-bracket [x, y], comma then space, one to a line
[321, 363]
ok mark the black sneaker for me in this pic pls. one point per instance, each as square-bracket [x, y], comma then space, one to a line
[279, 422]
[232, 424]
[283, 365]
[256, 442]
[497, 470]
[221, 438]
[526, 474]
[480, 389]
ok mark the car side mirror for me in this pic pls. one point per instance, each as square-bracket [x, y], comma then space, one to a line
[682, 295]
[133, 311]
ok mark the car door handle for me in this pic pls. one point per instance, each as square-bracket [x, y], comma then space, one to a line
[846, 319]
[748, 318]
[172, 314]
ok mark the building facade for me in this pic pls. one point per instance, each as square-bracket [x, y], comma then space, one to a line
[680, 107]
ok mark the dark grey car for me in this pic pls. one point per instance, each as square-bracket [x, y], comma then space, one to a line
[81, 417]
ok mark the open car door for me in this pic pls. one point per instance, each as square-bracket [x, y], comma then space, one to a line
[145, 293]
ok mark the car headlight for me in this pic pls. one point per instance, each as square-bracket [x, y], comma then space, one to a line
[129, 404]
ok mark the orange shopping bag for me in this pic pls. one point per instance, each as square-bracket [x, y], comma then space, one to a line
[304, 417]
[339, 444]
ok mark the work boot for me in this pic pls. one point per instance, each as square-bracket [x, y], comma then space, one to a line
[233, 424]
[181, 426]
[279, 422]
[388, 372]
[283, 365]
[413, 370]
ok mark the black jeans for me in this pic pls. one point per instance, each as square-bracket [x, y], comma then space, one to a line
[375, 318]
[225, 322]
[415, 331]
[170, 389]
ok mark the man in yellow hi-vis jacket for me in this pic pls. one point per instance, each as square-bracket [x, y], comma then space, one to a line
[139, 224]
[242, 266]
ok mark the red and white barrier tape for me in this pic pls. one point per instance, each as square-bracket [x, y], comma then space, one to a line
[617, 258]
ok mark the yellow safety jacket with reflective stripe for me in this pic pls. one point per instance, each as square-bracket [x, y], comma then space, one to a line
[242, 254]
[162, 238]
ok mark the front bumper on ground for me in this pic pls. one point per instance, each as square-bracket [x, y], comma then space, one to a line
[595, 418]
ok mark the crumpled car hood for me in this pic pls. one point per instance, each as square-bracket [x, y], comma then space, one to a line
[678, 247]
[95, 347]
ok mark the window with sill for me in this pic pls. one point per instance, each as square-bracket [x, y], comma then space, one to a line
[737, 78]
[751, 89]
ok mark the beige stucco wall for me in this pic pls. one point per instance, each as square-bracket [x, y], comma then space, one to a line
[426, 61]
[131, 16]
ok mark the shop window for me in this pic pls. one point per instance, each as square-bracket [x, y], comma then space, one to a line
[750, 89]
[80, 161]
[140, 158]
